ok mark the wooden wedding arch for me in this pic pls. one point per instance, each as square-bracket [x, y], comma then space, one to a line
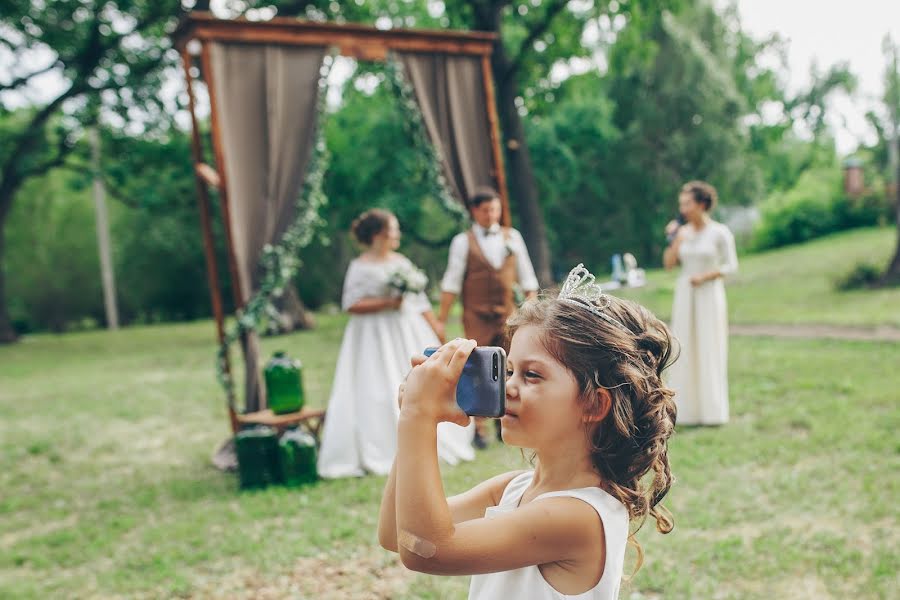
[200, 31]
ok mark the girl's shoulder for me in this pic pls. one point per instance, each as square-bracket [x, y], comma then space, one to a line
[501, 488]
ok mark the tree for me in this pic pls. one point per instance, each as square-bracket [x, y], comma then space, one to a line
[574, 150]
[891, 127]
[532, 36]
[108, 54]
[679, 108]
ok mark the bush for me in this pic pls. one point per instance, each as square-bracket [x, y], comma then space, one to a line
[816, 206]
[863, 275]
[51, 261]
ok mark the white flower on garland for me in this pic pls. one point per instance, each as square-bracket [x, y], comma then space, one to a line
[408, 279]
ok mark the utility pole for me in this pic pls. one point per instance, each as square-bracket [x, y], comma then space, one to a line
[103, 245]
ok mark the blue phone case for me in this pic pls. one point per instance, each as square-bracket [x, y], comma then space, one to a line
[481, 391]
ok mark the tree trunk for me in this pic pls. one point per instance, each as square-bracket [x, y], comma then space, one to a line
[519, 172]
[292, 314]
[7, 333]
[892, 275]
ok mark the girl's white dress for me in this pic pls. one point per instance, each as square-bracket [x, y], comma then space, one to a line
[527, 583]
[700, 322]
[360, 432]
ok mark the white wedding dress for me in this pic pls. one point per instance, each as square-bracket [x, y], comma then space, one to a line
[700, 323]
[360, 433]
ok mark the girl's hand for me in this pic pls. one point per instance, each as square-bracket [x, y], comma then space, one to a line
[430, 389]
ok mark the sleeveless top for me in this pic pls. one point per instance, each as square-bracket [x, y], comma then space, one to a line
[528, 583]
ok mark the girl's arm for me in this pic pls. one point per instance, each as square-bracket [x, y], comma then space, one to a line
[387, 516]
[373, 305]
[550, 530]
[463, 507]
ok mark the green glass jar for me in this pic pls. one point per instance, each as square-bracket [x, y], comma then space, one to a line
[297, 458]
[257, 454]
[284, 384]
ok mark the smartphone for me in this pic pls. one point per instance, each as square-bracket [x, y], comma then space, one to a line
[481, 391]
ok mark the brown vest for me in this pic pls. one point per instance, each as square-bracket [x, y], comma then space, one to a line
[487, 294]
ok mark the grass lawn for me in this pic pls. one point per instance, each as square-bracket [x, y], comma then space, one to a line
[107, 488]
[796, 284]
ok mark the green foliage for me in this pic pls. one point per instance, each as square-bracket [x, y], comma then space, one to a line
[573, 150]
[863, 275]
[52, 258]
[682, 97]
[160, 272]
[815, 206]
[112, 58]
[671, 80]
[112, 54]
[160, 268]
[389, 173]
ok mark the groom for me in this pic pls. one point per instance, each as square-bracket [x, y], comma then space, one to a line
[485, 263]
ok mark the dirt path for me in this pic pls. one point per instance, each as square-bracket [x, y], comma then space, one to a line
[883, 333]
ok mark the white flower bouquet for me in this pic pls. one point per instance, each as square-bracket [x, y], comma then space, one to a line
[408, 279]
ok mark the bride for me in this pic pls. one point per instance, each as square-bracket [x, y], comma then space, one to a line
[385, 330]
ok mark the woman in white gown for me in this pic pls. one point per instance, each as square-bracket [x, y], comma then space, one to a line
[385, 330]
[706, 251]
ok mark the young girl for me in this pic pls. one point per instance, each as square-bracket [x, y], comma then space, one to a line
[584, 391]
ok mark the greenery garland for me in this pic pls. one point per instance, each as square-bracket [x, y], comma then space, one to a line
[280, 262]
[415, 128]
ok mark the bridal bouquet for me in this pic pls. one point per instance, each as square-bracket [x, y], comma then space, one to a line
[408, 279]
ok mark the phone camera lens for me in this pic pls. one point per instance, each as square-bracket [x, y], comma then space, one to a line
[496, 368]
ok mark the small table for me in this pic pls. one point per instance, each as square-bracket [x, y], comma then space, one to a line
[310, 419]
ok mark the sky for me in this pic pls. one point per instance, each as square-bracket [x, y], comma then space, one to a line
[824, 32]
[828, 32]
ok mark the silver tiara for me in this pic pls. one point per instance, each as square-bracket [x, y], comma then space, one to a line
[581, 290]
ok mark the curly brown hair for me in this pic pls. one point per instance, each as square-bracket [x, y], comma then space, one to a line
[369, 224]
[632, 440]
[704, 194]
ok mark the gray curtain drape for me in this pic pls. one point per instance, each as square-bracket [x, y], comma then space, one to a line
[450, 92]
[266, 100]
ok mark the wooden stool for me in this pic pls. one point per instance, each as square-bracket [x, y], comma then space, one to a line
[310, 419]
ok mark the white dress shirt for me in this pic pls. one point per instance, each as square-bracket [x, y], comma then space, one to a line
[495, 249]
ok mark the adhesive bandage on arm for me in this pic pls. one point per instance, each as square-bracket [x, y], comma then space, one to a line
[416, 545]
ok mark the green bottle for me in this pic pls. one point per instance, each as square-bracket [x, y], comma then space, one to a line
[284, 384]
[297, 457]
[257, 453]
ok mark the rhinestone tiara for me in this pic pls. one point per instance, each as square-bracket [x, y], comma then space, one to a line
[581, 289]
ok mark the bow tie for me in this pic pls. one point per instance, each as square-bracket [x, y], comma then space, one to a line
[493, 229]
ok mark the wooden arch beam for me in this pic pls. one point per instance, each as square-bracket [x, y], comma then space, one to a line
[353, 40]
